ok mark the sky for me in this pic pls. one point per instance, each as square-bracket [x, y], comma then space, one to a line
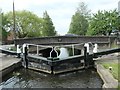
[60, 11]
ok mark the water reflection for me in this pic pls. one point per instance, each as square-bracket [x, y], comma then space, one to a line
[23, 78]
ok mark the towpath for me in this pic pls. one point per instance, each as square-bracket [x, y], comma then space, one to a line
[8, 63]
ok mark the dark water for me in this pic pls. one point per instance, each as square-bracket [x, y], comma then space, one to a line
[23, 78]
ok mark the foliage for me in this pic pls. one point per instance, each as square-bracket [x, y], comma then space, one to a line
[27, 23]
[118, 87]
[3, 24]
[103, 22]
[0, 26]
[79, 23]
[48, 28]
[83, 10]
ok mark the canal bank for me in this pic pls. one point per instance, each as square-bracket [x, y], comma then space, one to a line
[99, 69]
[106, 76]
[8, 63]
[16, 77]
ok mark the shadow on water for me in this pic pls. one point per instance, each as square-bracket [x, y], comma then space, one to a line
[23, 78]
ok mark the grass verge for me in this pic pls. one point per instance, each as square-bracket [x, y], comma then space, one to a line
[114, 70]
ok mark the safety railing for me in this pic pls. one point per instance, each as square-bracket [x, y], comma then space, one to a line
[38, 47]
[55, 48]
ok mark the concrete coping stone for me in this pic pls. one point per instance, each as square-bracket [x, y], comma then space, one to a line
[106, 76]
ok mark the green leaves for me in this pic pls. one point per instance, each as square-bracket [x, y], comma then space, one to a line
[4, 23]
[27, 23]
[79, 23]
[48, 28]
[103, 22]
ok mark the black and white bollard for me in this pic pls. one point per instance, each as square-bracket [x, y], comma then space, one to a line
[95, 49]
[86, 54]
[25, 53]
[51, 64]
[18, 51]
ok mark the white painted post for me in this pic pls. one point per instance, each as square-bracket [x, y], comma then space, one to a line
[95, 49]
[86, 55]
[87, 45]
[18, 51]
[24, 45]
[25, 53]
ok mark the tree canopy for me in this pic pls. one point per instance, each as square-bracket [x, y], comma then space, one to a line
[48, 28]
[79, 22]
[103, 22]
[3, 25]
[82, 9]
[27, 23]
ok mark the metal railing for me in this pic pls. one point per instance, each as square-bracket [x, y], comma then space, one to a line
[54, 48]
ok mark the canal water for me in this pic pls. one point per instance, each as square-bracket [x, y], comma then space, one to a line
[24, 78]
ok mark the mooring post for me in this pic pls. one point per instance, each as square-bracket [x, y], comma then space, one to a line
[25, 53]
[86, 54]
[18, 51]
[51, 64]
[95, 49]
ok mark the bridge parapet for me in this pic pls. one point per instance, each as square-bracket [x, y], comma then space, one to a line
[62, 40]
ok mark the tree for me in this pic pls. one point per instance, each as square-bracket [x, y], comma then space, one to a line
[48, 28]
[103, 22]
[79, 23]
[83, 10]
[27, 23]
[3, 25]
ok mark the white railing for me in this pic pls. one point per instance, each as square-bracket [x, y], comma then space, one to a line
[54, 48]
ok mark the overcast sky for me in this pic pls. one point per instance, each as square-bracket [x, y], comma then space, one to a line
[60, 11]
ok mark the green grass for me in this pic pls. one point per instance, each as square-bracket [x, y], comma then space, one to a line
[118, 87]
[114, 46]
[114, 70]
